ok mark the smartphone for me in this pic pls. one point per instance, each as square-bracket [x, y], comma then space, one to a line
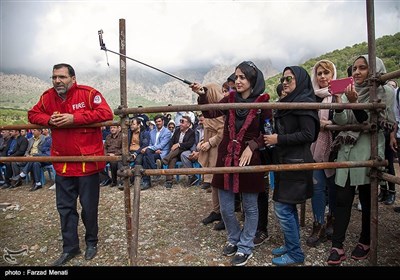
[339, 86]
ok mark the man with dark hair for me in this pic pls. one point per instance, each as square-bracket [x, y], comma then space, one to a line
[157, 150]
[67, 104]
[182, 140]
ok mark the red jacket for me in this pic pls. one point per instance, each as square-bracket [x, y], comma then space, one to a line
[88, 106]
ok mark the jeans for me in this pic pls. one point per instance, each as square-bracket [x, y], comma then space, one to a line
[289, 222]
[242, 238]
[318, 200]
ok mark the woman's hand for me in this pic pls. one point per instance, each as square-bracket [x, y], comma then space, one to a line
[351, 94]
[245, 157]
[270, 139]
[197, 88]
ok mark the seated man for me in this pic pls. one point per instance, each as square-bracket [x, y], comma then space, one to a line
[182, 140]
[113, 147]
[38, 145]
[190, 156]
[16, 147]
[4, 138]
[157, 150]
[138, 138]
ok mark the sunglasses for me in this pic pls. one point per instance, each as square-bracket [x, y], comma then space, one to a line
[288, 79]
[182, 121]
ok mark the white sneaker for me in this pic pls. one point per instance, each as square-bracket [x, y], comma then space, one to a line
[53, 187]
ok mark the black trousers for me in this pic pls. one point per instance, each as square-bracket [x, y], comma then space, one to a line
[344, 203]
[67, 191]
[263, 211]
[389, 155]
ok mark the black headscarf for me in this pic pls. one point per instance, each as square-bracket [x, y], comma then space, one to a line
[257, 83]
[303, 92]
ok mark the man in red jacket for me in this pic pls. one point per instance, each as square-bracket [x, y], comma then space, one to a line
[66, 104]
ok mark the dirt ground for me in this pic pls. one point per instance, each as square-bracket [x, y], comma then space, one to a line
[170, 231]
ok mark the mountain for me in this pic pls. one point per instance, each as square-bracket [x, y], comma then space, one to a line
[148, 87]
[145, 87]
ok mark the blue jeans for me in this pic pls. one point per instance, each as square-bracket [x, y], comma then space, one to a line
[318, 200]
[289, 221]
[242, 238]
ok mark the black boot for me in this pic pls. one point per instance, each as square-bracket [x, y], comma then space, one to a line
[382, 195]
[390, 198]
[317, 236]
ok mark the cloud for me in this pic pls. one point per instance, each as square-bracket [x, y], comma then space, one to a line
[183, 34]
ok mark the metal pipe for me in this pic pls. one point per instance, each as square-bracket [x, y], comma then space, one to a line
[32, 126]
[373, 83]
[256, 105]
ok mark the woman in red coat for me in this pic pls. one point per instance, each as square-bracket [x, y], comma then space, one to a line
[242, 139]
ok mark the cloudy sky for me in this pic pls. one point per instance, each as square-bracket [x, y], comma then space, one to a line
[169, 35]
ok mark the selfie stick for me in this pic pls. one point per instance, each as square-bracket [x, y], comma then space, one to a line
[103, 47]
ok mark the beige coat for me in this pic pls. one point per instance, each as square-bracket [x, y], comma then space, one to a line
[213, 132]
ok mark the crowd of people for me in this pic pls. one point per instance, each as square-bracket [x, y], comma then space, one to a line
[221, 138]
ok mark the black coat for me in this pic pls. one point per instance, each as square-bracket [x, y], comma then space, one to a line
[296, 130]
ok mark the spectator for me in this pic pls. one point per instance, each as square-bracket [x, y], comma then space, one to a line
[156, 150]
[295, 131]
[240, 147]
[4, 138]
[38, 145]
[190, 156]
[356, 146]
[171, 126]
[182, 140]
[324, 179]
[113, 147]
[16, 147]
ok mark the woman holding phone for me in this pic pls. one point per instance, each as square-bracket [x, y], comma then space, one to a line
[356, 146]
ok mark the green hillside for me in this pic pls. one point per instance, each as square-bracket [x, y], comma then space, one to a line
[387, 48]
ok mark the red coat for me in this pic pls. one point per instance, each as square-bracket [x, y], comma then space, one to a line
[88, 106]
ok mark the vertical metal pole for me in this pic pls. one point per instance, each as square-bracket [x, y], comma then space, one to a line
[124, 131]
[136, 207]
[374, 133]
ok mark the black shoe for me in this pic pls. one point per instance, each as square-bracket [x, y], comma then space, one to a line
[168, 185]
[106, 182]
[241, 259]
[35, 188]
[65, 257]
[260, 237]
[16, 183]
[145, 185]
[211, 218]
[219, 226]
[396, 209]
[205, 186]
[390, 198]
[6, 186]
[91, 251]
[193, 180]
[229, 250]
[382, 195]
